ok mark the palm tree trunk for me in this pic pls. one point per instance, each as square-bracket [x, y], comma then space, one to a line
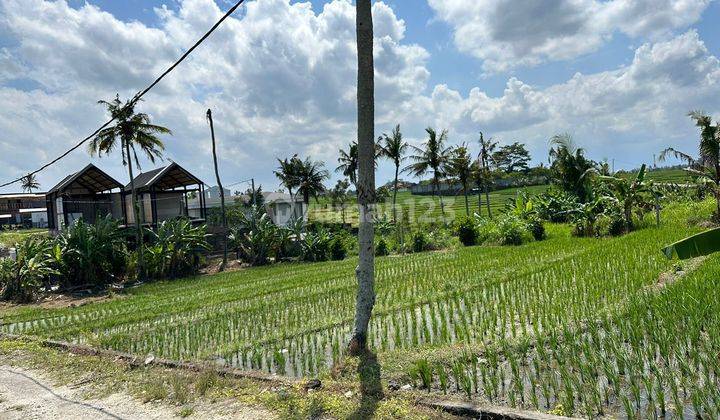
[487, 200]
[365, 271]
[467, 205]
[397, 170]
[138, 217]
[292, 203]
[437, 191]
[628, 217]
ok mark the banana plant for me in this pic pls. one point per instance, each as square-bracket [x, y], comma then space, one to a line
[21, 279]
[522, 206]
[698, 245]
[629, 192]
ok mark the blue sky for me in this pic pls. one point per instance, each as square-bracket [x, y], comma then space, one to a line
[619, 75]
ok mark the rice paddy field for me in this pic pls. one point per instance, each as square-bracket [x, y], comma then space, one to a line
[9, 238]
[582, 326]
[665, 175]
[422, 208]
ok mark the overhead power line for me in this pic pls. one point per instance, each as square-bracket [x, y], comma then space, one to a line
[137, 96]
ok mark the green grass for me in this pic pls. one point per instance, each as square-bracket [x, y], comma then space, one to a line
[665, 175]
[574, 324]
[422, 208]
[9, 238]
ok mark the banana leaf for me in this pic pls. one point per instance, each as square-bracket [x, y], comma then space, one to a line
[695, 246]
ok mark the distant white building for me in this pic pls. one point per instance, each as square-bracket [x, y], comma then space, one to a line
[279, 206]
[212, 193]
[21, 209]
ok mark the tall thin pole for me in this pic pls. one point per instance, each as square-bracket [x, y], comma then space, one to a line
[222, 191]
[365, 271]
[254, 194]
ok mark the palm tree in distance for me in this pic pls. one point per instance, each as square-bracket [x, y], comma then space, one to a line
[483, 175]
[393, 148]
[569, 166]
[287, 173]
[310, 177]
[30, 183]
[460, 166]
[348, 163]
[433, 156]
[131, 131]
[707, 166]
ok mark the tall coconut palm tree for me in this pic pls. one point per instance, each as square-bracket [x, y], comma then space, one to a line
[460, 166]
[348, 163]
[310, 177]
[432, 156]
[483, 174]
[288, 172]
[30, 183]
[707, 165]
[365, 271]
[131, 131]
[393, 148]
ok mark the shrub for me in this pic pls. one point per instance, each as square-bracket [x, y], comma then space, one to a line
[615, 225]
[92, 254]
[512, 230]
[255, 237]
[419, 241]
[537, 229]
[22, 279]
[467, 231]
[487, 230]
[381, 249]
[176, 249]
[554, 205]
[338, 251]
[316, 245]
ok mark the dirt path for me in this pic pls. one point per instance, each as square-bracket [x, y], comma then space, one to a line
[26, 394]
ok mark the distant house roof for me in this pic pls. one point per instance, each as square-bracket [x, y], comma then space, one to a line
[90, 178]
[9, 196]
[165, 178]
[270, 198]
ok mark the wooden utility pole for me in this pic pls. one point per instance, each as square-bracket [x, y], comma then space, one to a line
[254, 194]
[222, 191]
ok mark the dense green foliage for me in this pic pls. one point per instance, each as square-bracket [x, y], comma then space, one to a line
[22, 278]
[91, 254]
[175, 249]
[467, 231]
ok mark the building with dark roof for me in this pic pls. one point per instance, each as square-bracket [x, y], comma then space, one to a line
[91, 193]
[87, 194]
[163, 195]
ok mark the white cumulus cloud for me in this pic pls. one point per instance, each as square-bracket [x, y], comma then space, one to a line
[510, 34]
